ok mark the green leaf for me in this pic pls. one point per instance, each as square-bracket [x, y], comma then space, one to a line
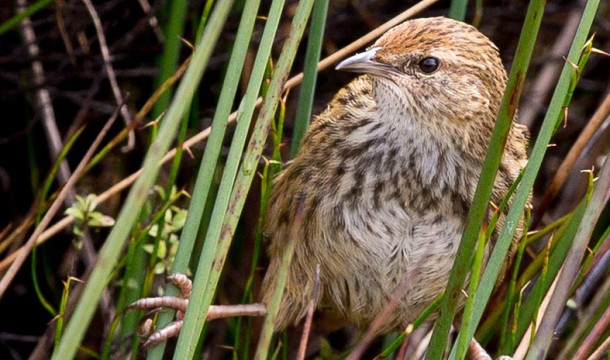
[75, 212]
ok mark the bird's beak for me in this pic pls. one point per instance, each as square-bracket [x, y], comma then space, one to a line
[363, 63]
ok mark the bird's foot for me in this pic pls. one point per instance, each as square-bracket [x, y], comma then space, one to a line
[184, 284]
[180, 304]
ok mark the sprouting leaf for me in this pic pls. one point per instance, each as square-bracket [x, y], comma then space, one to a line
[100, 220]
[179, 218]
[161, 251]
[85, 215]
[154, 230]
[75, 212]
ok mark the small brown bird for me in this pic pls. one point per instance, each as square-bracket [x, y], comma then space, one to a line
[385, 177]
[387, 173]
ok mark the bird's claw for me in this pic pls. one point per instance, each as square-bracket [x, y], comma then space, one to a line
[180, 304]
[170, 330]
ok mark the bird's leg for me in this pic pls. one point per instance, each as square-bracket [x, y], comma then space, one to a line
[180, 304]
[183, 283]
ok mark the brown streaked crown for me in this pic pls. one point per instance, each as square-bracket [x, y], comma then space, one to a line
[418, 38]
[439, 69]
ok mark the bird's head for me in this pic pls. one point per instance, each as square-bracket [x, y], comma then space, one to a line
[434, 69]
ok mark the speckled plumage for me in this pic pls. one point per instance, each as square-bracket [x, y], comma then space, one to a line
[388, 172]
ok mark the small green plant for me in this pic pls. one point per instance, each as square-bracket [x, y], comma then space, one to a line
[86, 216]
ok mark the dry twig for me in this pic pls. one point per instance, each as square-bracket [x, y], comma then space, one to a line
[25, 250]
[44, 104]
[310, 310]
[547, 78]
[116, 91]
[600, 115]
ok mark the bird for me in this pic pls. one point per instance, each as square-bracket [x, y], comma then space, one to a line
[381, 186]
[385, 176]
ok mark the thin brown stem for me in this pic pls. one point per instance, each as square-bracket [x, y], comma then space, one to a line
[601, 350]
[402, 353]
[114, 85]
[44, 104]
[308, 320]
[547, 77]
[25, 250]
[600, 115]
[152, 20]
[382, 317]
[593, 337]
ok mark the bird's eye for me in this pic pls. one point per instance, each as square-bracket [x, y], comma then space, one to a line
[429, 65]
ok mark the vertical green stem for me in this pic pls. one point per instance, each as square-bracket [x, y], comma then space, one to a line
[485, 185]
[310, 74]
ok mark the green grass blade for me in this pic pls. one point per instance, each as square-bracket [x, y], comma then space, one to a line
[554, 114]
[274, 304]
[193, 322]
[171, 50]
[255, 149]
[113, 246]
[29, 11]
[487, 231]
[205, 176]
[563, 241]
[220, 234]
[462, 342]
[507, 334]
[43, 193]
[485, 185]
[400, 339]
[487, 329]
[457, 10]
[566, 278]
[267, 175]
[310, 74]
